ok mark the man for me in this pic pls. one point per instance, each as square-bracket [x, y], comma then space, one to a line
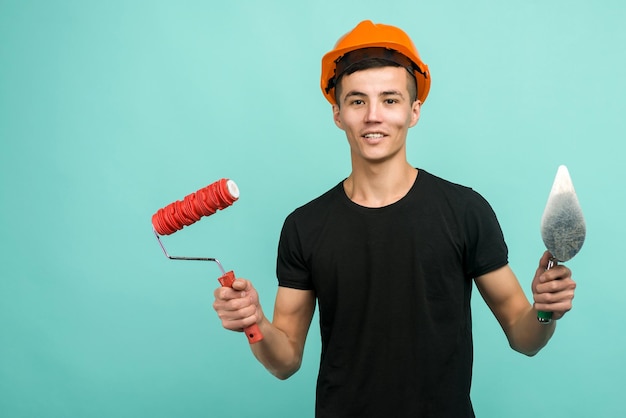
[390, 255]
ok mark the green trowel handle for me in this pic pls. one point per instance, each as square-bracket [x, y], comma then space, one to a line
[546, 317]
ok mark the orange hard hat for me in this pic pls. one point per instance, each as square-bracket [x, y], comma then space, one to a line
[371, 35]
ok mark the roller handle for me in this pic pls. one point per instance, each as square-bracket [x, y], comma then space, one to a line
[546, 317]
[253, 333]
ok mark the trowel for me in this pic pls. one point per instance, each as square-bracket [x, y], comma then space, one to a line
[562, 224]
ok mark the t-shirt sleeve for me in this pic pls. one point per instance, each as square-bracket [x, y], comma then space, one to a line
[292, 269]
[486, 248]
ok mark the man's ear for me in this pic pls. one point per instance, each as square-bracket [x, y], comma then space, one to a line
[415, 112]
[336, 116]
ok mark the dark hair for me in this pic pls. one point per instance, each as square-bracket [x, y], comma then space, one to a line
[369, 63]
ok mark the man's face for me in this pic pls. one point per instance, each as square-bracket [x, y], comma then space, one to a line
[376, 111]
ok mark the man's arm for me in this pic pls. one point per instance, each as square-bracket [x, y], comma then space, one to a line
[553, 291]
[282, 346]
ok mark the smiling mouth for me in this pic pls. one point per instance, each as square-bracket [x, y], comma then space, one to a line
[373, 136]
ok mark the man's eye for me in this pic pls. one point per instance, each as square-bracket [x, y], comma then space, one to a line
[391, 101]
[358, 102]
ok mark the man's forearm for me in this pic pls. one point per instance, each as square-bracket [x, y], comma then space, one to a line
[280, 356]
[528, 335]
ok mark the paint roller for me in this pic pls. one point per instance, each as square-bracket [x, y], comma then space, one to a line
[563, 227]
[204, 202]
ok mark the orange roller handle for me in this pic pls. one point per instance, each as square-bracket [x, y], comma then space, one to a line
[253, 333]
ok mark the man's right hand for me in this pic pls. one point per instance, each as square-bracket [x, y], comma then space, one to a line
[238, 307]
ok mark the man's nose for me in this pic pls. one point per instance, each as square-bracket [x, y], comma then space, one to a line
[373, 112]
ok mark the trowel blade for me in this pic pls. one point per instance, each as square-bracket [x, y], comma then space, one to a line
[563, 227]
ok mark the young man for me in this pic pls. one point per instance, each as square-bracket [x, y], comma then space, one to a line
[390, 255]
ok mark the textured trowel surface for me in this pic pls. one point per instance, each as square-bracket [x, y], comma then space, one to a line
[563, 226]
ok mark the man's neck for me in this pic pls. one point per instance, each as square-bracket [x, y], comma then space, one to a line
[379, 186]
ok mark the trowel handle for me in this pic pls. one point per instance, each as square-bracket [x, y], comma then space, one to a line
[546, 317]
[253, 333]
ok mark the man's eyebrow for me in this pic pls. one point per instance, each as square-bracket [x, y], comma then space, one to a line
[391, 93]
[353, 94]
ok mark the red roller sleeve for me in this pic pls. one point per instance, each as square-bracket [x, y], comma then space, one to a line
[253, 333]
[204, 202]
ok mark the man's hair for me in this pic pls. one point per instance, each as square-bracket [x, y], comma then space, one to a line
[366, 64]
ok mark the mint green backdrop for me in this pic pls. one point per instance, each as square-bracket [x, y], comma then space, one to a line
[110, 110]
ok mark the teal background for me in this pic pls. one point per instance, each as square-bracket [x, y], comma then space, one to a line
[111, 110]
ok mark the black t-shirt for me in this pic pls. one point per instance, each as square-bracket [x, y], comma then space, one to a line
[393, 286]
